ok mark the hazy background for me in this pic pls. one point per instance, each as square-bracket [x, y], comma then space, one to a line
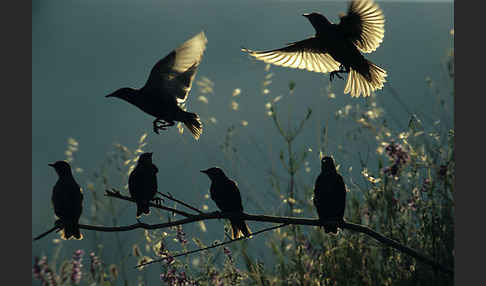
[83, 50]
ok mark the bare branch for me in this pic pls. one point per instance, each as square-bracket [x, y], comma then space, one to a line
[171, 197]
[261, 218]
[274, 219]
[46, 233]
[396, 245]
[118, 195]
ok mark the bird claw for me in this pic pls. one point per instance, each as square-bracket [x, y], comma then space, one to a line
[335, 73]
[162, 125]
[158, 201]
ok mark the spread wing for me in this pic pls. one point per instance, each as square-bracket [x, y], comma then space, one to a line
[174, 73]
[364, 25]
[306, 54]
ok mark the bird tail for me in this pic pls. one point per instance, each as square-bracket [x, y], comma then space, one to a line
[193, 123]
[365, 78]
[71, 231]
[143, 208]
[240, 228]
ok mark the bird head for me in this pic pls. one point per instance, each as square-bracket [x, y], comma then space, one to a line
[62, 168]
[123, 93]
[327, 164]
[145, 157]
[317, 20]
[213, 173]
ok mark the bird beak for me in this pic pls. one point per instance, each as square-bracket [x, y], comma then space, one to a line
[306, 15]
[204, 171]
[109, 95]
[51, 164]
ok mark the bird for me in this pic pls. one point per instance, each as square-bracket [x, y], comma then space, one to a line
[329, 195]
[142, 183]
[338, 48]
[165, 93]
[67, 199]
[225, 193]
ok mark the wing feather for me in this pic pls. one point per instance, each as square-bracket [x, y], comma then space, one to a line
[364, 25]
[175, 73]
[307, 54]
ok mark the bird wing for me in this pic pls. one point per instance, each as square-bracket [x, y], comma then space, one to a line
[363, 25]
[175, 73]
[236, 196]
[67, 199]
[307, 54]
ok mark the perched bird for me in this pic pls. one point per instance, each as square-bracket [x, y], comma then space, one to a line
[67, 199]
[165, 92]
[142, 183]
[224, 192]
[337, 48]
[329, 195]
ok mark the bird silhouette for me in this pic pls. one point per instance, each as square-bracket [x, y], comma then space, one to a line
[142, 183]
[329, 195]
[337, 48]
[165, 93]
[224, 192]
[67, 199]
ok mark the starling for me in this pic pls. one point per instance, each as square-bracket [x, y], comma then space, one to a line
[142, 183]
[337, 48]
[67, 199]
[165, 92]
[224, 192]
[329, 195]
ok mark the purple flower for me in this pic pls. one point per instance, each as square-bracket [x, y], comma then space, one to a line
[227, 252]
[169, 276]
[42, 272]
[168, 259]
[398, 155]
[37, 269]
[76, 271]
[95, 261]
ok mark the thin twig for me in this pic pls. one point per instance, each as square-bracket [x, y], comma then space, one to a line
[170, 197]
[212, 246]
[47, 232]
[118, 195]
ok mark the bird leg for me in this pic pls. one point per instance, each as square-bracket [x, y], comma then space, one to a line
[158, 201]
[163, 125]
[337, 73]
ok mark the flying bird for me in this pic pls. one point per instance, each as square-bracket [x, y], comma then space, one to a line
[224, 192]
[67, 199]
[337, 48]
[142, 183]
[165, 93]
[329, 195]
